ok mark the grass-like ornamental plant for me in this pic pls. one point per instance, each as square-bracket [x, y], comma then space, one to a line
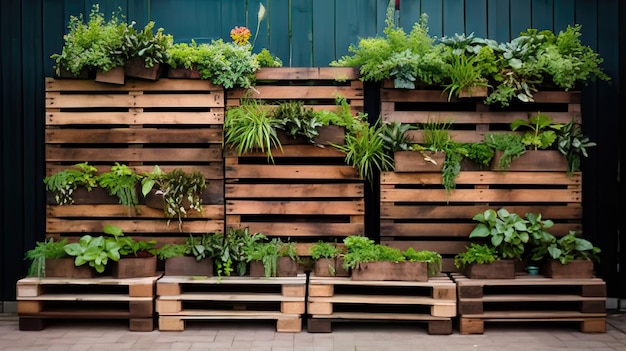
[251, 127]
[42, 250]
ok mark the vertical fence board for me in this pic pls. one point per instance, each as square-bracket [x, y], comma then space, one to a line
[453, 18]
[353, 20]
[323, 33]
[410, 12]
[234, 14]
[522, 19]
[434, 8]
[476, 18]
[262, 40]
[302, 33]
[499, 25]
[278, 24]
[542, 14]
[563, 14]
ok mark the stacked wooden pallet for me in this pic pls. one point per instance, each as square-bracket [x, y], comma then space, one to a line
[170, 123]
[334, 299]
[308, 193]
[531, 299]
[41, 299]
[416, 210]
[182, 299]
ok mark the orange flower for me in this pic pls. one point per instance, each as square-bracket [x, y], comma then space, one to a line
[240, 35]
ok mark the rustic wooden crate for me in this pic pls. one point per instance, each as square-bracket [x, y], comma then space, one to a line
[309, 193]
[416, 211]
[41, 299]
[333, 299]
[171, 123]
[531, 298]
[181, 299]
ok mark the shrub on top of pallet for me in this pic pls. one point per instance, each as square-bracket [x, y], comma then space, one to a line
[369, 261]
[272, 258]
[566, 257]
[194, 258]
[328, 260]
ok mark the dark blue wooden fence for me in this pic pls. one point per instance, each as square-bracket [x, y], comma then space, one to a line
[301, 33]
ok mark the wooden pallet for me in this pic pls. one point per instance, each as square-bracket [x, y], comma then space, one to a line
[531, 298]
[182, 299]
[173, 123]
[41, 299]
[334, 299]
[416, 211]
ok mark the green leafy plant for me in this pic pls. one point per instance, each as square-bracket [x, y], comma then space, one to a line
[542, 133]
[269, 252]
[323, 249]
[480, 153]
[395, 136]
[297, 120]
[476, 254]
[572, 143]
[42, 250]
[507, 232]
[150, 46]
[566, 249]
[433, 258]
[97, 43]
[266, 59]
[464, 74]
[64, 183]
[510, 144]
[95, 251]
[122, 182]
[536, 228]
[360, 249]
[127, 245]
[206, 246]
[251, 127]
[173, 250]
[233, 254]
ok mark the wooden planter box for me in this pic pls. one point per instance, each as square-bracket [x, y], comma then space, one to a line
[329, 267]
[65, 268]
[577, 269]
[136, 68]
[414, 161]
[114, 76]
[134, 267]
[500, 269]
[534, 160]
[186, 265]
[476, 91]
[327, 135]
[407, 271]
[286, 267]
[183, 73]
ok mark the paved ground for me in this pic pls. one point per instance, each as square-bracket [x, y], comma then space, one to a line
[260, 336]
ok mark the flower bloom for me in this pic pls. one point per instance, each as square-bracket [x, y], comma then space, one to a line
[240, 35]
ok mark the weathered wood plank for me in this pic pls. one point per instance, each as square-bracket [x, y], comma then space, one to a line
[135, 117]
[302, 230]
[56, 100]
[472, 117]
[56, 225]
[244, 207]
[308, 190]
[134, 136]
[291, 172]
[289, 151]
[548, 211]
[307, 73]
[134, 154]
[486, 178]
[162, 84]
[452, 230]
[299, 92]
[483, 195]
[106, 210]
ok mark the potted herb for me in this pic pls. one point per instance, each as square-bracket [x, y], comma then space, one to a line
[328, 260]
[566, 257]
[64, 183]
[194, 258]
[121, 181]
[49, 259]
[573, 144]
[232, 256]
[481, 261]
[137, 257]
[274, 258]
[146, 51]
[432, 258]
[95, 251]
[508, 147]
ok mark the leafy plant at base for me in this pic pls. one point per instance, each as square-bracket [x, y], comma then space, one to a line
[173, 250]
[251, 127]
[127, 245]
[42, 250]
[572, 144]
[542, 132]
[535, 227]
[507, 232]
[296, 120]
[206, 246]
[95, 251]
[233, 252]
[122, 182]
[361, 249]
[510, 144]
[431, 257]
[269, 252]
[476, 254]
[323, 249]
[151, 47]
[566, 249]
[64, 183]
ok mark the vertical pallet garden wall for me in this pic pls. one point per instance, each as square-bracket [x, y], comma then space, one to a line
[308, 193]
[170, 123]
[416, 211]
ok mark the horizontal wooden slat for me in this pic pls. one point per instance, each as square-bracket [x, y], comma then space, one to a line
[308, 190]
[549, 211]
[299, 92]
[403, 95]
[451, 230]
[486, 178]
[215, 171]
[302, 230]
[243, 207]
[307, 73]
[134, 154]
[289, 151]
[470, 117]
[105, 210]
[56, 100]
[482, 195]
[162, 84]
[215, 115]
[56, 225]
[134, 136]
[291, 172]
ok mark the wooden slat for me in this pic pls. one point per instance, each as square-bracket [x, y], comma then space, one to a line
[214, 116]
[472, 117]
[299, 92]
[291, 172]
[301, 230]
[56, 225]
[214, 171]
[450, 230]
[163, 84]
[307, 190]
[483, 195]
[134, 136]
[549, 211]
[133, 154]
[486, 178]
[243, 207]
[56, 100]
[307, 73]
[289, 151]
[91, 211]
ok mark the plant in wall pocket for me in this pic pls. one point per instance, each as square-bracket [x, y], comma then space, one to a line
[573, 144]
[121, 181]
[146, 51]
[64, 183]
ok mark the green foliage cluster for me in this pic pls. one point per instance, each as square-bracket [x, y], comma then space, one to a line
[573, 144]
[152, 47]
[323, 249]
[514, 70]
[63, 183]
[122, 182]
[268, 252]
[510, 144]
[297, 120]
[266, 59]
[542, 131]
[476, 254]
[566, 249]
[234, 252]
[42, 250]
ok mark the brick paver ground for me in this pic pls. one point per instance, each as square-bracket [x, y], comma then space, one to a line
[260, 336]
